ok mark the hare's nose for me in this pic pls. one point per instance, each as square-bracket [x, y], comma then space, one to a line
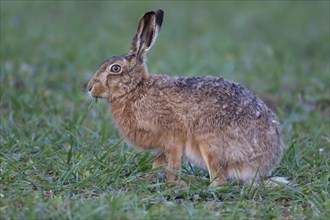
[89, 87]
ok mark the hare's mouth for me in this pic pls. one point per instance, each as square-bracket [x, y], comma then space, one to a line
[95, 97]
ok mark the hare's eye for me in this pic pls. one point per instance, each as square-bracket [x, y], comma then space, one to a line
[115, 68]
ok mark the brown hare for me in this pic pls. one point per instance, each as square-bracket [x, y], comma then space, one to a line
[214, 123]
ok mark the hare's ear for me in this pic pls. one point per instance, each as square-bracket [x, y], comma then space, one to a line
[146, 34]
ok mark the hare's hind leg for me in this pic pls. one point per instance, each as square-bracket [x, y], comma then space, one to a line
[248, 173]
[217, 173]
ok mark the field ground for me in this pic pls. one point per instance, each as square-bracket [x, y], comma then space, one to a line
[61, 156]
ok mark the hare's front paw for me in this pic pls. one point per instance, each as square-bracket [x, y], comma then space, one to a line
[154, 176]
[180, 184]
[218, 182]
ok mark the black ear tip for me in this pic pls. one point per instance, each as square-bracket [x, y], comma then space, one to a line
[160, 12]
[159, 17]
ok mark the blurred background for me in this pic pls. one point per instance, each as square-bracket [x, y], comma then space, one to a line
[278, 49]
[55, 139]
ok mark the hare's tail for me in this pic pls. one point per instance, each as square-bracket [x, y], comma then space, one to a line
[276, 181]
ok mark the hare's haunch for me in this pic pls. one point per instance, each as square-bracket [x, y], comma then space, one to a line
[214, 123]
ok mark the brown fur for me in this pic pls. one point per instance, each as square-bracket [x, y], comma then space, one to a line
[215, 123]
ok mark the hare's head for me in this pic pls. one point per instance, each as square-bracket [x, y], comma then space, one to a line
[119, 75]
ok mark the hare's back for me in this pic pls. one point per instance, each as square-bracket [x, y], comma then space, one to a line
[213, 100]
[213, 87]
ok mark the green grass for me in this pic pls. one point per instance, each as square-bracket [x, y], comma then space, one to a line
[61, 156]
